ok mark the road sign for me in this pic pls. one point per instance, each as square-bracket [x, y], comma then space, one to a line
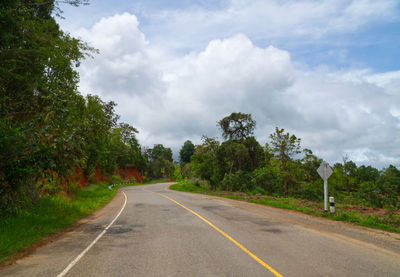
[324, 170]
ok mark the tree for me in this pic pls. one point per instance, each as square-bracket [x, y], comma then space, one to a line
[38, 97]
[237, 126]
[232, 156]
[204, 161]
[160, 161]
[256, 152]
[284, 147]
[349, 169]
[366, 174]
[309, 164]
[186, 152]
[47, 128]
[389, 186]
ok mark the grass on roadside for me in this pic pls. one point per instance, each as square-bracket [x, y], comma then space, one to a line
[49, 216]
[53, 214]
[156, 181]
[388, 221]
[187, 186]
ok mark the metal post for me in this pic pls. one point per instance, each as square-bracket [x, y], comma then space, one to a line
[326, 195]
[332, 204]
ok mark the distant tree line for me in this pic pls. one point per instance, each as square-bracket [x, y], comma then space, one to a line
[282, 168]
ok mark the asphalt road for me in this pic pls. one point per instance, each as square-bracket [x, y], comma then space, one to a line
[166, 233]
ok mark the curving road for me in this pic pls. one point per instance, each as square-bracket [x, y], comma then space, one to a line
[152, 231]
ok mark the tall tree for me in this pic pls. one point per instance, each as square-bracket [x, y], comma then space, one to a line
[232, 156]
[256, 152]
[38, 94]
[204, 161]
[186, 152]
[237, 126]
[284, 146]
[160, 161]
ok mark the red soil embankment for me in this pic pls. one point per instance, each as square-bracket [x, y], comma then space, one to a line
[128, 173]
[98, 176]
[81, 179]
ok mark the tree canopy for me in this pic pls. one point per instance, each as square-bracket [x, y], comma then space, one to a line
[284, 147]
[47, 128]
[186, 152]
[237, 126]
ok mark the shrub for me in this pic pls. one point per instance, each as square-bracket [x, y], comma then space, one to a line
[115, 180]
[259, 190]
[268, 179]
[177, 176]
[238, 181]
[72, 187]
[312, 191]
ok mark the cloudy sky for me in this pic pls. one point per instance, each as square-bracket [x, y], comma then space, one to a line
[327, 71]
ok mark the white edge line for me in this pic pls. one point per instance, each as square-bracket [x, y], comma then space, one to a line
[65, 271]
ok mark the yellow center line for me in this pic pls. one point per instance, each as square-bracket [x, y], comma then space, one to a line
[264, 264]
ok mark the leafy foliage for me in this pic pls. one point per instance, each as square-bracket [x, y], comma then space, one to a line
[282, 169]
[46, 127]
[284, 147]
[160, 164]
[186, 152]
[237, 126]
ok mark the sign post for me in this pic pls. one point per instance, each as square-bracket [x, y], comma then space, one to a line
[324, 170]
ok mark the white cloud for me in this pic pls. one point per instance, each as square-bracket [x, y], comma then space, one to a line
[174, 98]
[269, 21]
[126, 60]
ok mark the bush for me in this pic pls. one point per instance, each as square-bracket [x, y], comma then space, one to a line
[177, 176]
[186, 170]
[259, 190]
[72, 187]
[238, 181]
[268, 179]
[312, 191]
[200, 183]
[115, 180]
[16, 167]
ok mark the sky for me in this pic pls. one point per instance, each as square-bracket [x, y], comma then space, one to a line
[327, 71]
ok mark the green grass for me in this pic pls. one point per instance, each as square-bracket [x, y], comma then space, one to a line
[388, 222]
[49, 216]
[156, 181]
[53, 214]
[186, 186]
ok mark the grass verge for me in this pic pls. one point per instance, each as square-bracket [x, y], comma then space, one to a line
[51, 215]
[156, 181]
[48, 216]
[374, 218]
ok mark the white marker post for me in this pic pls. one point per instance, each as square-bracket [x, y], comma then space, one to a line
[332, 204]
[324, 170]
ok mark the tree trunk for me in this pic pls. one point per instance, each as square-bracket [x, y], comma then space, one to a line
[285, 186]
[285, 178]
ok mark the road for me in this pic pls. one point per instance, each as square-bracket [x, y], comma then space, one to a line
[158, 232]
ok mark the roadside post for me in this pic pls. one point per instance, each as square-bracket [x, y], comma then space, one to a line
[332, 204]
[324, 170]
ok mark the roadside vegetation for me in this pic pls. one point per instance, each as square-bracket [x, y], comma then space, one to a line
[52, 214]
[53, 140]
[48, 216]
[283, 174]
[384, 219]
[59, 150]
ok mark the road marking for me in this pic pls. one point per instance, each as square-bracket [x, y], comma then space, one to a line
[264, 264]
[65, 271]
